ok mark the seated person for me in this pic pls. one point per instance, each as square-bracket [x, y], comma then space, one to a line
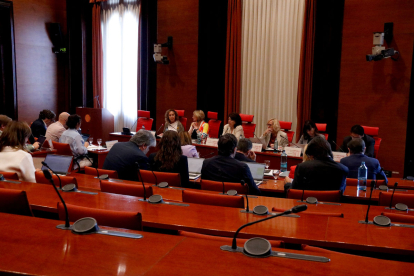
[4, 121]
[274, 133]
[224, 167]
[170, 158]
[293, 168]
[309, 132]
[357, 131]
[244, 151]
[321, 172]
[72, 137]
[234, 126]
[123, 155]
[172, 122]
[187, 145]
[356, 148]
[198, 125]
[39, 126]
[55, 130]
[13, 157]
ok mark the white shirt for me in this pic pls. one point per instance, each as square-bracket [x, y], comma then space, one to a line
[18, 161]
[173, 126]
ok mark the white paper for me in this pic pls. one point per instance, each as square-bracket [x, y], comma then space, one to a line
[338, 155]
[109, 144]
[293, 151]
[257, 147]
[212, 142]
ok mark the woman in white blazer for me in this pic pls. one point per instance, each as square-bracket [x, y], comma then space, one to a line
[234, 126]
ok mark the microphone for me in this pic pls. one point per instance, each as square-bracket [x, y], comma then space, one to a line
[60, 181]
[288, 140]
[159, 129]
[393, 191]
[296, 209]
[337, 146]
[369, 203]
[304, 186]
[142, 180]
[48, 176]
[97, 99]
[211, 153]
[248, 192]
[102, 177]
[162, 184]
[134, 123]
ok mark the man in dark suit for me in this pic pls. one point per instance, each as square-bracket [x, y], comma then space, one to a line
[39, 126]
[244, 151]
[357, 131]
[353, 162]
[224, 167]
[123, 156]
[321, 172]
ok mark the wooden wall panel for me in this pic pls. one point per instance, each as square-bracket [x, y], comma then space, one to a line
[41, 75]
[376, 93]
[177, 81]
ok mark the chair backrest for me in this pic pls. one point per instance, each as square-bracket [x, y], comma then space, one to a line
[10, 175]
[144, 120]
[118, 219]
[399, 217]
[292, 171]
[40, 178]
[248, 127]
[92, 171]
[329, 196]
[322, 129]
[354, 182]
[181, 118]
[373, 131]
[286, 126]
[125, 189]
[173, 179]
[14, 202]
[210, 185]
[214, 124]
[328, 214]
[385, 198]
[213, 199]
[62, 148]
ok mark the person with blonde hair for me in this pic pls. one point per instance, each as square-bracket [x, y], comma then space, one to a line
[172, 122]
[198, 123]
[273, 134]
[13, 156]
[187, 145]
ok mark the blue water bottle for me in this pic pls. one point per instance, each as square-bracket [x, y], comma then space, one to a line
[283, 162]
[362, 177]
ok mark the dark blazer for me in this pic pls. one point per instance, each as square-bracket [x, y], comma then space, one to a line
[241, 157]
[38, 128]
[369, 144]
[323, 174]
[181, 167]
[353, 162]
[228, 169]
[122, 158]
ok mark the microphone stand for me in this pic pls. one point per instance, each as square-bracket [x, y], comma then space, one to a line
[304, 186]
[392, 196]
[142, 180]
[48, 176]
[370, 196]
[337, 146]
[60, 181]
[248, 192]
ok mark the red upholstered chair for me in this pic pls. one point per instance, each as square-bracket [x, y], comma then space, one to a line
[10, 175]
[329, 196]
[173, 179]
[144, 120]
[286, 126]
[292, 171]
[373, 132]
[14, 202]
[210, 185]
[92, 171]
[385, 198]
[214, 124]
[63, 149]
[181, 118]
[399, 217]
[322, 129]
[328, 214]
[247, 125]
[213, 199]
[354, 182]
[118, 219]
[40, 178]
[125, 189]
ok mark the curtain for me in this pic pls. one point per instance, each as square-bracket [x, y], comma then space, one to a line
[120, 25]
[306, 66]
[271, 41]
[97, 54]
[233, 58]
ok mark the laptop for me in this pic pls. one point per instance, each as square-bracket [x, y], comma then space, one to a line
[194, 168]
[41, 140]
[257, 170]
[60, 164]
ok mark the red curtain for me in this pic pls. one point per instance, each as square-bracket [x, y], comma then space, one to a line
[306, 67]
[233, 58]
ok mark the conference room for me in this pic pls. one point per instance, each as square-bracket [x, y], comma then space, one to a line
[120, 64]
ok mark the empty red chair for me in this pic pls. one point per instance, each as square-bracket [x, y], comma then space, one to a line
[385, 198]
[247, 125]
[118, 219]
[173, 179]
[354, 182]
[10, 175]
[286, 126]
[210, 185]
[40, 178]
[328, 214]
[181, 118]
[14, 202]
[329, 196]
[399, 217]
[144, 120]
[322, 129]
[92, 171]
[373, 131]
[125, 189]
[214, 124]
[213, 199]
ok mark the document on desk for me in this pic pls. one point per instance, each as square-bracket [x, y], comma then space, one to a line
[338, 155]
[293, 151]
[257, 147]
[212, 142]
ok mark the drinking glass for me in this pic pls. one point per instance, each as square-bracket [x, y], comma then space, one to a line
[90, 139]
[267, 164]
[99, 142]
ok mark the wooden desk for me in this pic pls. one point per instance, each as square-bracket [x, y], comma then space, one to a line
[119, 136]
[38, 248]
[98, 157]
[402, 183]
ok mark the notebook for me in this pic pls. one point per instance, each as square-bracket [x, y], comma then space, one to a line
[257, 170]
[194, 167]
[60, 164]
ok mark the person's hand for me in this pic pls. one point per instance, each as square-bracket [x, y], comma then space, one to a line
[86, 144]
[288, 179]
[252, 155]
[269, 130]
[36, 145]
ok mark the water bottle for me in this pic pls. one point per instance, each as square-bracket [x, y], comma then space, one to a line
[283, 162]
[275, 146]
[143, 127]
[362, 177]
